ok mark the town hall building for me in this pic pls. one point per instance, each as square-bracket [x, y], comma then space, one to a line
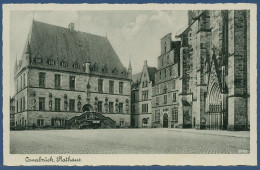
[63, 73]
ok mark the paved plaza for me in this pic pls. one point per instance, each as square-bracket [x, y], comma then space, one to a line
[128, 141]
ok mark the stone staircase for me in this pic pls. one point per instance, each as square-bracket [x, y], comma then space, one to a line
[90, 120]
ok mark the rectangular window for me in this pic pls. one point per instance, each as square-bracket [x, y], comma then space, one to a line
[133, 109]
[41, 103]
[72, 105]
[144, 108]
[17, 106]
[175, 114]
[145, 95]
[23, 80]
[57, 104]
[170, 70]
[40, 122]
[111, 107]
[133, 97]
[41, 79]
[121, 85]
[111, 86]
[72, 82]
[99, 106]
[23, 103]
[157, 116]
[165, 99]
[57, 80]
[164, 73]
[174, 97]
[173, 84]
[17, 86]
[120, 107]
[122, 123]
[100, 85]
[157, 100]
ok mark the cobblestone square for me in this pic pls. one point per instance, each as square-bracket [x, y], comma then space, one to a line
[129, 141]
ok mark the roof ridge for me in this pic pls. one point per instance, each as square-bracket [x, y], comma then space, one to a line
[48, 24]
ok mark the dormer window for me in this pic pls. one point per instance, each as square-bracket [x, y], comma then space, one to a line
[105, 69]
[95, 67]
[51, 61]
[38, 59]
[76, 64]
[115, 71]
[64, 64]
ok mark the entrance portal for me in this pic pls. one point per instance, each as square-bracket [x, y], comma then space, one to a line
[87, 108]
[165, 120]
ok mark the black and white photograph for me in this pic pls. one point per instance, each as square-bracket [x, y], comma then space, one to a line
[129, 84]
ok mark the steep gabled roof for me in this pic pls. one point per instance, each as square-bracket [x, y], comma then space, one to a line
[50, 41]
[136, 77]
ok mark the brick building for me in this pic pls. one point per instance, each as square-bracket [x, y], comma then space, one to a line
[214, 70]
[141, 93]
[64, 72]
[165, 94]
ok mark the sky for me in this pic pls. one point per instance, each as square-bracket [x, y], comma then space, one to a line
[134, 35]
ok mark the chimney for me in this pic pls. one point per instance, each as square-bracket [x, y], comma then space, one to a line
[87, 67]
[71, 26]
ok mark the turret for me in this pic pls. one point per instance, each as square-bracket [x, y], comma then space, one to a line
[15, 66]
[130, 70]
[28, 54]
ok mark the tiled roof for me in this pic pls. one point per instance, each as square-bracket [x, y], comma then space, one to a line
[68, 48]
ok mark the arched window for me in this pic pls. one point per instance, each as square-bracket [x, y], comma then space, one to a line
[145, 122]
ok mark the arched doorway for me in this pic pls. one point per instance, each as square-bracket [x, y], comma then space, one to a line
[214, 104]
[165, 120]
[87, 108]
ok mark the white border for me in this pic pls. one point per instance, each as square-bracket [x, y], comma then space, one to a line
[135, 159]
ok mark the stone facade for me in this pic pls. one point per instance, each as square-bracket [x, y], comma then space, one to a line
[165, 99]
[215, 69]
[47, 97]
[12, 111]
[141, 93]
